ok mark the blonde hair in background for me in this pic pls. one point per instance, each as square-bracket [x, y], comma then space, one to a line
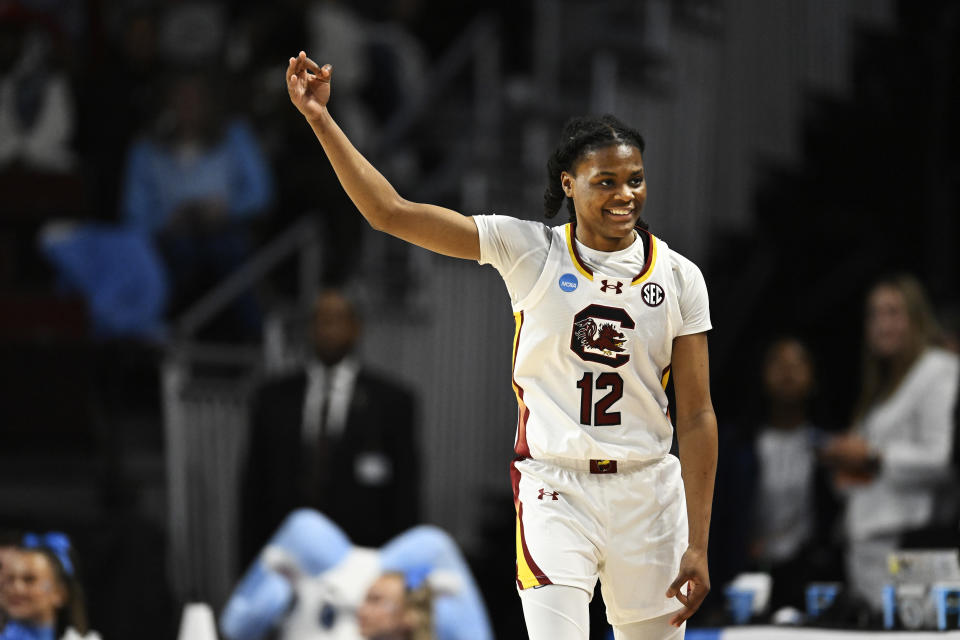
[419, 607]
[881, 376]
[417, 610]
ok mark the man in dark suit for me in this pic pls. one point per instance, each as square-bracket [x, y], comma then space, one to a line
[335, 437]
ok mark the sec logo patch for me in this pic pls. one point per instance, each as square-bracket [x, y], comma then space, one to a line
[568, 282]
[652, 294]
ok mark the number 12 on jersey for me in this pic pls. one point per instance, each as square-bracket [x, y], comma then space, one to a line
[599, 415]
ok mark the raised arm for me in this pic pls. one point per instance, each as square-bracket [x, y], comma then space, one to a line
[431, 227]
[697, 443]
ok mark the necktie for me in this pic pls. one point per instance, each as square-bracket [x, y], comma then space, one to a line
[317, 450]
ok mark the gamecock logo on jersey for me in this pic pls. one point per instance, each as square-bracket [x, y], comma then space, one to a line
[598, 336]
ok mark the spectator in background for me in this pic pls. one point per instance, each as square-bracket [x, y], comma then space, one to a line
[895, 462]
[792, 510]
[36, 102]
[41, 592]
[196, 185]
[334, 436]
[774, 510]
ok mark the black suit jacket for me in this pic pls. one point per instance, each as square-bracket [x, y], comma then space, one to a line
[379, 427]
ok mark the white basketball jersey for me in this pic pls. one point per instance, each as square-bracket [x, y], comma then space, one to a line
[592, 356]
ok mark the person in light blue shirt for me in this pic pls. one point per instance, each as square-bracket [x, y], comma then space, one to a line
[182, 185]
[195, 185]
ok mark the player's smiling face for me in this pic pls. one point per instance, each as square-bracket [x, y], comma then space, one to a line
[608, 189]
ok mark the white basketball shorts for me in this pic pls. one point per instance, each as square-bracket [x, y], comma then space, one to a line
[628, 528]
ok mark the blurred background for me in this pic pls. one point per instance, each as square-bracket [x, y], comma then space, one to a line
[166, 219]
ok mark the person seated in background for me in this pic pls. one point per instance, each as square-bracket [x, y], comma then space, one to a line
[40, 591]
[310, 582]
[333, 436]
[195, 185]
[895, 463]
[36, 102]
[774, 509]
[792, 508]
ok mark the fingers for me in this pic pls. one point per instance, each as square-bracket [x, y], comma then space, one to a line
[303, 62]
[676, 585]
[681, 617]
[291, 69]
[301, 66]
[292, 78]
[691, 602]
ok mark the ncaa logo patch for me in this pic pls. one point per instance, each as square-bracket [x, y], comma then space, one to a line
[568, 282]
[652, 294]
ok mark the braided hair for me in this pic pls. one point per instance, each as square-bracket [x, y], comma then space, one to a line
[579, 136]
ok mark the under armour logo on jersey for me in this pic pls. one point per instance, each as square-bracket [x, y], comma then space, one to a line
[616, 286]
[652, 294]
[544, 492]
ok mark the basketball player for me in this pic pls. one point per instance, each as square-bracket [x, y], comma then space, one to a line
[604, 313]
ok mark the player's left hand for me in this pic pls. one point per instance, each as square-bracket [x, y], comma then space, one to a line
[694, 574]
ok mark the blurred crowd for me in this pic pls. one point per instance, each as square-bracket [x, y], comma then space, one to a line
[157, 137]
[808, 497]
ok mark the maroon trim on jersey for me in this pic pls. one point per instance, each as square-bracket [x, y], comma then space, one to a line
[523, 413]
[537, 571]
[647, 251]
[664, 380]
[576, 253]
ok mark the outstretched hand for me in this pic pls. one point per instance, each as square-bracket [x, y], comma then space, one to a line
[308, 85]
[693, 573]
